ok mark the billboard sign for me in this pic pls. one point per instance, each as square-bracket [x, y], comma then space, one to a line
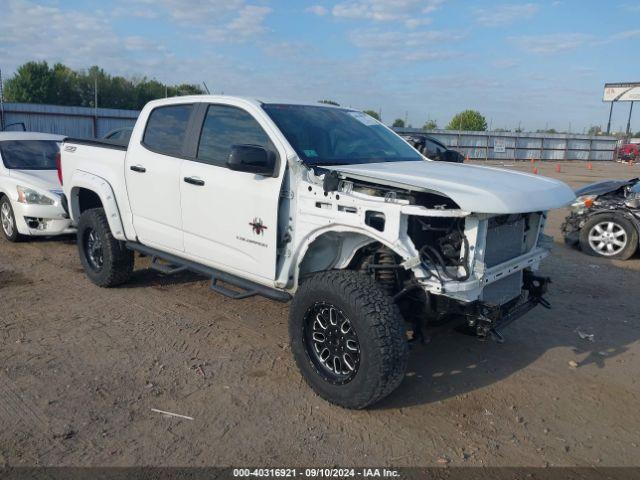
[621, 92]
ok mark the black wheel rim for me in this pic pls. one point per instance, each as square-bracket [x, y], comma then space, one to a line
[93, 249]
[331, 343]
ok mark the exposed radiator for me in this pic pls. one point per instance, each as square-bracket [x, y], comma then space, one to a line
[505, 240]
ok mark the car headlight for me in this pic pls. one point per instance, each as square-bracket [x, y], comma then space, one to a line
[30, 196]
[632, 200]
[583, 202]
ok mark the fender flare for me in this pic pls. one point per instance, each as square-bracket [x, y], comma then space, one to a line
[368, 237]
[103, 189]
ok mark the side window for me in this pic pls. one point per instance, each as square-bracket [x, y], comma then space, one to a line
[224, 127]
[433, 147]
[166, 129]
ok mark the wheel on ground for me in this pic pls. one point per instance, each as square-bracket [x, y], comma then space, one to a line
[610, 236]
[348, 338]
[106, 261]
[8, 221]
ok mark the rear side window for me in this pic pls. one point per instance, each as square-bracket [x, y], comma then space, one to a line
[225, 127]
[29, 154]
[166, 129]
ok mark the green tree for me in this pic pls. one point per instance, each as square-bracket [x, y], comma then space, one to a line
[36, 82]
[32, 83]
[430, 125]
[470, 120]
[594, 130]
[372, 113]
[329, 102]
[398, 123]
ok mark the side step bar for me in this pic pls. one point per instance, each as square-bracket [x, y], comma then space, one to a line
[177, 264]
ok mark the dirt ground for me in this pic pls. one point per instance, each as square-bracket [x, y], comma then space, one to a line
[82, 367]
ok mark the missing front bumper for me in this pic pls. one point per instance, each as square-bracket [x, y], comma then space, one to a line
[487, 318]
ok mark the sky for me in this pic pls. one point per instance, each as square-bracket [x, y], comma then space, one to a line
[539, 64]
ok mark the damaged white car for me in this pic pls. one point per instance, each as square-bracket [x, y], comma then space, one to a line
[321, 205]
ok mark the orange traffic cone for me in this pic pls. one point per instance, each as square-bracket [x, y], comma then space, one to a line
[466, 159]
[535, 171]
[558, 168]
[589, 166]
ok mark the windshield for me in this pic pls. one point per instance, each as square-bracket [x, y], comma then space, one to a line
[334, 136]
[29, 154]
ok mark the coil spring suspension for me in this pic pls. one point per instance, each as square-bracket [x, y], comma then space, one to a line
[383, 266]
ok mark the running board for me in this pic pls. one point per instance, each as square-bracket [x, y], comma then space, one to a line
[177, 264]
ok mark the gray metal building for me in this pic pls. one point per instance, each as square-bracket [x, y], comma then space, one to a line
[524, 146]
[87, 122]
[82, 122]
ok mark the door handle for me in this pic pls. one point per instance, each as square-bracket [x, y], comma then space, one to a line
[194, 181]
[138, 168]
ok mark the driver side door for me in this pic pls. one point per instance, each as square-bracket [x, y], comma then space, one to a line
[229, 218]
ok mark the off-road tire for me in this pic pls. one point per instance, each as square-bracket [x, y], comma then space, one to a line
[117, 260]
[15, 235]
[381, 333]
[630, 230]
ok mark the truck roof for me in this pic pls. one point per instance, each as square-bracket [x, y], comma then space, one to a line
[251, 100]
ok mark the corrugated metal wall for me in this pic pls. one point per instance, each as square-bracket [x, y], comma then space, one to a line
[88, 123]
[524, 146]
[80, 122]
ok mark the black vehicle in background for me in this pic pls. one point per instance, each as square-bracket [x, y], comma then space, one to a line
[432, 148]
[605, 219]
[119, 135]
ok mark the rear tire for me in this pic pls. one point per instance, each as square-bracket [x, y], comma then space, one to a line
[106, 261]
[8, 221]
[348, 338]
[609, 236]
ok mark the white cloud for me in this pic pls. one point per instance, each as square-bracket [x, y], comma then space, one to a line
[249, 22]
[552, 43]
[318, 10]
[29, 31]
[501, 15]
[384, 10]
[567, 42]
[631, 7]
[402, 46]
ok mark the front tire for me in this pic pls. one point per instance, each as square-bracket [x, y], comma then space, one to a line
[106, 261]
[609, 236]
[8, 221]
[347, 338]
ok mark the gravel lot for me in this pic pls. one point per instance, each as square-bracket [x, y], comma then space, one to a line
[82, 367]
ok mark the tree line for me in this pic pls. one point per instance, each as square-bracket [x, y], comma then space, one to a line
[37, 82]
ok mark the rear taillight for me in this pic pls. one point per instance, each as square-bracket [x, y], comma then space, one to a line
[59, 166]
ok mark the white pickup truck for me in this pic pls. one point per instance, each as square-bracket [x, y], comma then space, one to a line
[320, 205]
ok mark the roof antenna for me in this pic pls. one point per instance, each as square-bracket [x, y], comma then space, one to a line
[206, 88]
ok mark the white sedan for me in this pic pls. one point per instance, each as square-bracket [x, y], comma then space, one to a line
[30, 192]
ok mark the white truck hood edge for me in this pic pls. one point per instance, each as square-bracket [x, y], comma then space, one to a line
[474, 188]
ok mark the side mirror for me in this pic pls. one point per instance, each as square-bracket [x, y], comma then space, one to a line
[253, 159]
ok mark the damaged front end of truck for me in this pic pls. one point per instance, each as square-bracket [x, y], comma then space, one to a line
[439, 255]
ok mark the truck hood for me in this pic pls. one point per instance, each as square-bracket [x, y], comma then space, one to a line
[474, 188]
[43, 179]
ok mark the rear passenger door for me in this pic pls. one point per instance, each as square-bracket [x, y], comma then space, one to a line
[152, 175]
[230, 218]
